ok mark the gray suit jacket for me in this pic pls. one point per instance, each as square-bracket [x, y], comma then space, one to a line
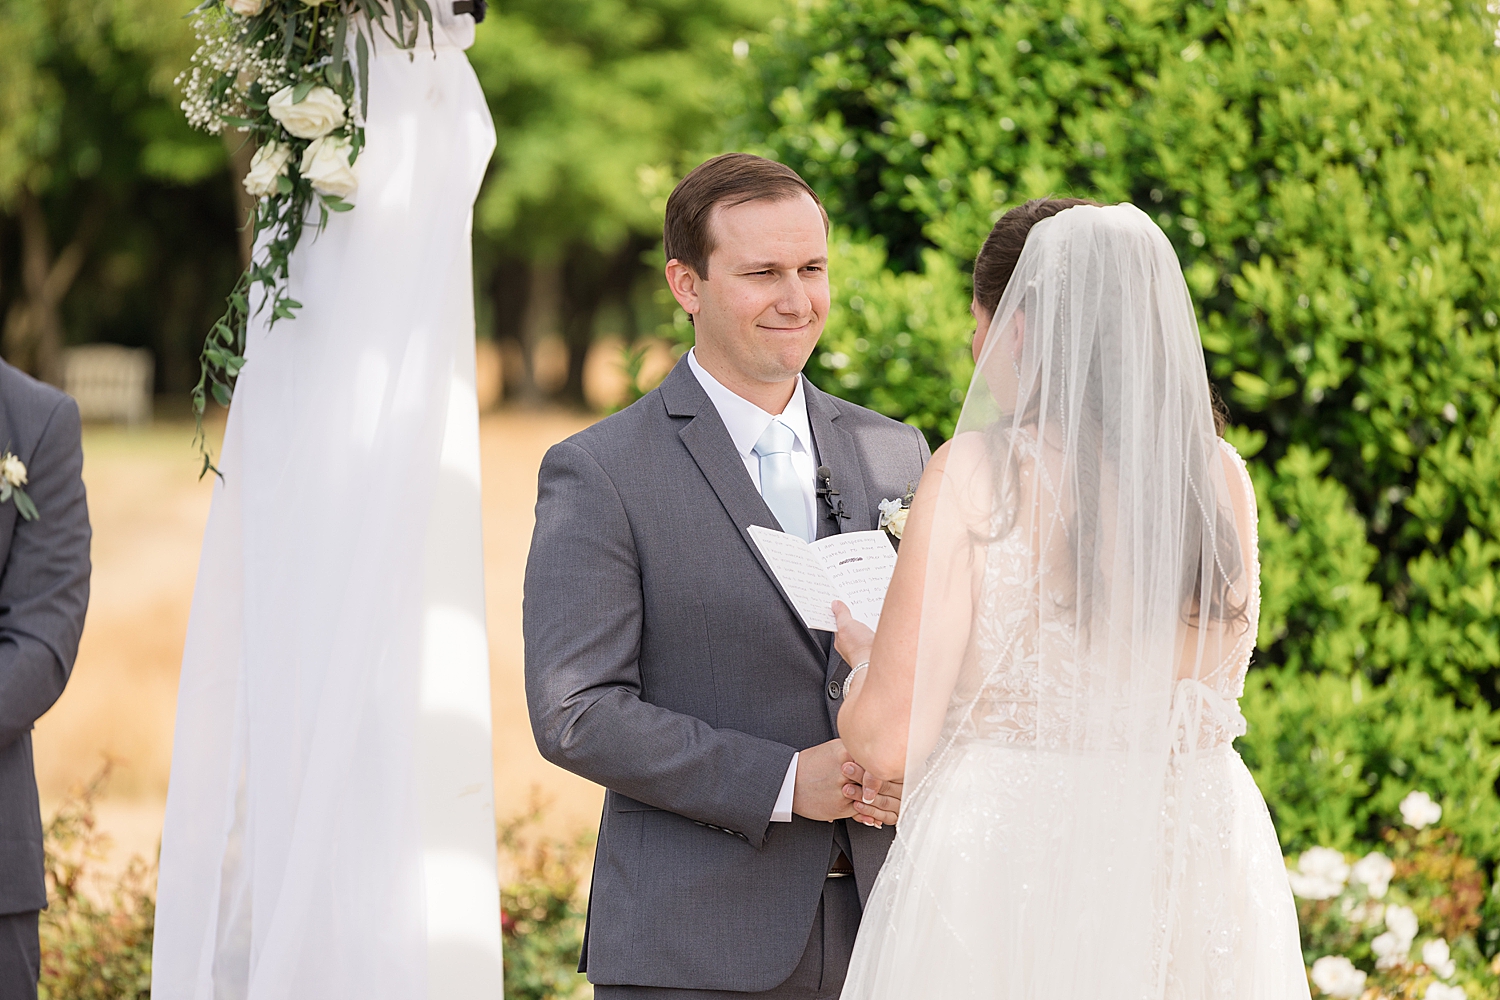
[44, 591]
[664, 662]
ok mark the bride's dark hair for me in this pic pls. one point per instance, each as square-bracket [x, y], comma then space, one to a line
[993, 269]
[1002, 249]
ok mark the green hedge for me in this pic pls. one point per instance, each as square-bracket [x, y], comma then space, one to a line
[1330, 176]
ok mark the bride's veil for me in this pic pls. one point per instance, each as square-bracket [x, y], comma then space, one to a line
[1084, 588]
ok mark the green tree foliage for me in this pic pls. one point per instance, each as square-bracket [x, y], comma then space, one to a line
[596, 103]
[116, 219]
[895, 339]
[1330, 176]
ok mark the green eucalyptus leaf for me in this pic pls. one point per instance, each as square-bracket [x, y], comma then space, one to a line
[24, 506]
[336, 68]
[362, 58]
[336, 204]
[300, 92]
[222, 393]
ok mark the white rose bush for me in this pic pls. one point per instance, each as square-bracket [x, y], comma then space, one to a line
[1402, 923]
[287, 74]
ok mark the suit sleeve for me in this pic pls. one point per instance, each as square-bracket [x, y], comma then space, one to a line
[582, 619]
[44, 584]
[923, 451]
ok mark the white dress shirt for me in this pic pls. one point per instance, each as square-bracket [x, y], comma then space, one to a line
[746, 422]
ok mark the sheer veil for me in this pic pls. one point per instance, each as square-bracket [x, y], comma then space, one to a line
[1098, 603]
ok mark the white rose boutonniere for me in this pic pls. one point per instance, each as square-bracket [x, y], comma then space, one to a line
[893, 514]
[319, 112]
[12, 478]
[326, 165]
[267, 167]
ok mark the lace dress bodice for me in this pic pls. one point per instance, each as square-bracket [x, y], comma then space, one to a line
[1004, 696]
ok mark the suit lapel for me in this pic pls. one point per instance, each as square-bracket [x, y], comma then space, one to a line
[836, 451]
[707, 440]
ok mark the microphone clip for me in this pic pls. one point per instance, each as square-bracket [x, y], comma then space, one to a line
[829, 494]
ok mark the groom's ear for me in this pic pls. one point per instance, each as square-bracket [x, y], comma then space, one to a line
[684, 283]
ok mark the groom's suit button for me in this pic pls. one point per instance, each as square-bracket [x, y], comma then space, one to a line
[835, 689]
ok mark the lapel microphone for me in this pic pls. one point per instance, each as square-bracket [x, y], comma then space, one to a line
[829, 494]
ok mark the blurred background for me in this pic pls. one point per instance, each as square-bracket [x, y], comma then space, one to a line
[1329, 173]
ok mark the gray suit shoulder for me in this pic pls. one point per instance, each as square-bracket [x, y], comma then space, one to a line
[605, 438]
[863, 420]
[26, 397]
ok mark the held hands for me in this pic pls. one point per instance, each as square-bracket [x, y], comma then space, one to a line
[830, 786]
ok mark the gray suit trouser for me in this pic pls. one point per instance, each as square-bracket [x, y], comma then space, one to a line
[818, 976]
[20, 956]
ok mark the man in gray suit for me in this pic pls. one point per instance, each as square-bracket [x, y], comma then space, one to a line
[44, 591]
[664, 662]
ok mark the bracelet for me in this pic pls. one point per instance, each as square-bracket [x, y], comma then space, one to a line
[848, 681]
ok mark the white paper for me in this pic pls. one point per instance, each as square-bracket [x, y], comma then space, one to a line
[854, 567]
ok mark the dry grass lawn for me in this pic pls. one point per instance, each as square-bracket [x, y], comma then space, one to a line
[148, 509]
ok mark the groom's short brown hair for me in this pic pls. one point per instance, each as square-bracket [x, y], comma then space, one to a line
[728, 180]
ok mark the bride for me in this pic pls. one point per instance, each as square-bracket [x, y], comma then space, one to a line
[1063, 643]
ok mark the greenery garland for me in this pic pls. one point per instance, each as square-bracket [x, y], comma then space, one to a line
[279, 70]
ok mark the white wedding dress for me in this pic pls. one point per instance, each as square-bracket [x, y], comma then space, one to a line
[330, 828]
[1083, 828]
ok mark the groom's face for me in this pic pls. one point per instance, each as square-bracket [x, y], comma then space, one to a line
[762, 307]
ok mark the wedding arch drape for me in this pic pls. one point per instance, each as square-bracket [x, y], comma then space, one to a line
[330, 820]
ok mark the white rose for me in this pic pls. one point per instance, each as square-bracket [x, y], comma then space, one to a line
[1436, 957]
[1390, 950]
[12, 471]
[1402, 922]
[1321, 873]
[1420, 811]
[1367, 913]
[313, 117]
[1442, 991]
[893, 517]
[268, 164]
[326, 164]
[897, 525]
[246, 8]
[1374, 871]
[1336, 976]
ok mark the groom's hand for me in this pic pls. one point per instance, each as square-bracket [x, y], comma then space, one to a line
[830, 786]
[819, 791]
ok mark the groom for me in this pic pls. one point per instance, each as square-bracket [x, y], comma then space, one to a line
[44, 591]
[664, 662]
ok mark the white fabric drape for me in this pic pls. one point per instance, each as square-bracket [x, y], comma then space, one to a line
[330, 820]
[1077, 823]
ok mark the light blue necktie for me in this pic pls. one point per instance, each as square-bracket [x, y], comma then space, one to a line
[778, 480]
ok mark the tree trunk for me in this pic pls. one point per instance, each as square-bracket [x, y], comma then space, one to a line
[539, 320]
[592, 281]
[33, 336]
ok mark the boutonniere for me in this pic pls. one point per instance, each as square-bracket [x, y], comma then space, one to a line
[893, 514]
[12, 478]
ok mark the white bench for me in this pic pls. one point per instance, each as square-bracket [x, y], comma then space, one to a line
[110, 382]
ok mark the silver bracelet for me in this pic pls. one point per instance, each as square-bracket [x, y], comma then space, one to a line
[848, 681]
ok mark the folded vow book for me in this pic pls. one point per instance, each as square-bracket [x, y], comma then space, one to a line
[854, 567]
